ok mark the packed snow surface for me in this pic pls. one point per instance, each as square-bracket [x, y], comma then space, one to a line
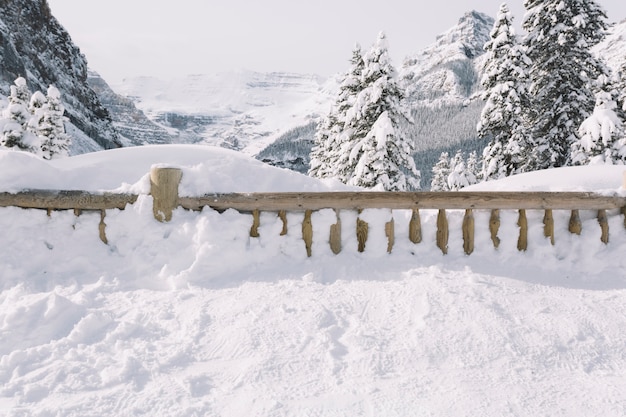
[195, 318]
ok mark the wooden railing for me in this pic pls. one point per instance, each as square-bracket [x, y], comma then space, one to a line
[165, 182]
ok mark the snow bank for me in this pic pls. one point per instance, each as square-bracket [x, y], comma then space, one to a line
[194, 317]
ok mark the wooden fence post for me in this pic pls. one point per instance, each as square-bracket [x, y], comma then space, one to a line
[164, 190]
[415, 227]
[548, 225]
[256, 222]
[335, 235]
[362, 229]
[575, 226]
[468, 232]
[442, 231]
[102, 227]
[307, 232]
[390, 233]
[494, 226]
[282, 215]
[522, 222]
[604, 225]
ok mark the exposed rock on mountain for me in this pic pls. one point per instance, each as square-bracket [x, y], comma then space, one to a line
[132, 124]
[447, 71]
[35, 46]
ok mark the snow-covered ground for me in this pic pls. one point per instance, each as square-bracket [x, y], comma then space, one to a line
[195, 318]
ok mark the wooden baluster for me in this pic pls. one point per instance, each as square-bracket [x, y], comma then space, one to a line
[390, 233]
[468, 232]
[307, 232]
[522, 222]
[102, 228]
[335, 235]
[548, 225]
[282, 214]
[442, 231]
[604, 225]
[362, 230]
[256, 222]
[415, 227]
[575, 226]
[494, 226]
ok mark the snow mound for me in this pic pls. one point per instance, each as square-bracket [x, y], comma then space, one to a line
[196, 318]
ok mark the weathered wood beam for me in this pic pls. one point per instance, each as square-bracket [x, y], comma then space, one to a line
[66, 200]
[406, 200]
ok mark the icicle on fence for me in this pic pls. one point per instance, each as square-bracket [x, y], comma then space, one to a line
[164, 190]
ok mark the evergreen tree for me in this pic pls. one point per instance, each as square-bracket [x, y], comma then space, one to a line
[505, 94]
[441, 171]
[558, 41]
[377, 125]
[13, 134]
[459, 176]
[474, 171]
[54, 141]
[601, 135]
[36, 108]
[329, 155]
[620, 85]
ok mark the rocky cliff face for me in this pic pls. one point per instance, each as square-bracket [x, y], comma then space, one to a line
[132, 124]
[35, 46]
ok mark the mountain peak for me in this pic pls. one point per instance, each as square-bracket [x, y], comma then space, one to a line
[472, 32]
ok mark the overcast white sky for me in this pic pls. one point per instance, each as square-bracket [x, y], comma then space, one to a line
[166, 38]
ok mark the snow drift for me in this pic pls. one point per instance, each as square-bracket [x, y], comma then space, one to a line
[195, 318]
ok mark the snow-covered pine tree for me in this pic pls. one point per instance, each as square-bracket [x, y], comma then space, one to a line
[330, 154]
[474, 170]
[441, 171]
[620, 85]
[602, 138]
[36, 108]
[459, 176]
[378, 121]
[505, 93]
[558, 41]
[54, 141]
[14, 130]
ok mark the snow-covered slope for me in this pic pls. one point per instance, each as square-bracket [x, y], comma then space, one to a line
[613, 48]
[240, 110]
[195, 318]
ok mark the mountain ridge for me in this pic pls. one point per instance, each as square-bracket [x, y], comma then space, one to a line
[34, 45]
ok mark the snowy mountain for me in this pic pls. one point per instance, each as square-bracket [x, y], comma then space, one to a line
[241, 110]
[613, 48]
[448, 70]
[196, 318]
[270, 115]
[134, 127]
[35, 46]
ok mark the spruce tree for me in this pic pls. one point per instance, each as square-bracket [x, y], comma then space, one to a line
[329, 155]
[505, 93]
[36, 107]
[459, 176]
[601, 135]
[13, 134]
[377, 123]
[441, 171]
[558, 41]
[474, 171]
[54, 141]
[620, 85]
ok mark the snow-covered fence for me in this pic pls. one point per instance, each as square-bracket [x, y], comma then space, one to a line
[165, 182]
